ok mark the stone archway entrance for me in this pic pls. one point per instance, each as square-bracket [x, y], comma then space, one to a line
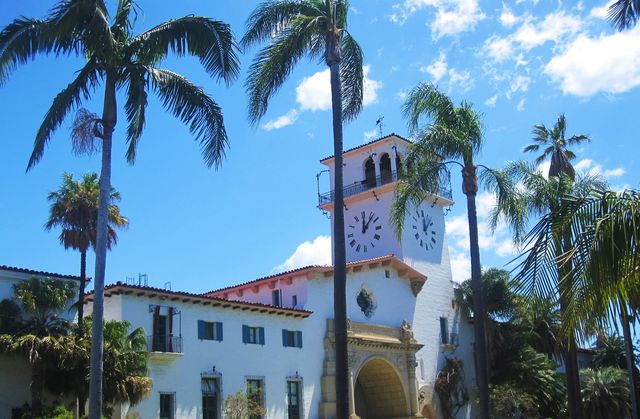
[378, 392]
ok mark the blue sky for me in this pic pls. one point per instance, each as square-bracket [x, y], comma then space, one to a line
[520, 62]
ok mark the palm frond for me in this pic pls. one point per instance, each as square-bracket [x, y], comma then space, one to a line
[425, 100]
[194, 107]
[84, 132]
[80, 25]
[623, 14]
[274, 63]
[271, 18]
[66, 100]
[351, 77]
[135, 107]
[122, 25]
[20, 41]
[208, 39]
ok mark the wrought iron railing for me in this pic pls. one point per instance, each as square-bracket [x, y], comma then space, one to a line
[367, 184]
[167, 344]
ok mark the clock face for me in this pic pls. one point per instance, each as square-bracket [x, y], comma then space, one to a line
[424, 230]
[363, 231]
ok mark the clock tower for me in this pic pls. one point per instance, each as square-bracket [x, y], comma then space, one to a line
[370, 178]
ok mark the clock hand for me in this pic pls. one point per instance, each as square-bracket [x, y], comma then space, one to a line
[366, 227]
[424, 225]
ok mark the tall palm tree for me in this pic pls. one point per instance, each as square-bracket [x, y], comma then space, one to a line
[120, 60]
[605, 393]
[554, 145]
[623, 14]
[74, 208]
[453, 134]
[524, 192]
[313, 28]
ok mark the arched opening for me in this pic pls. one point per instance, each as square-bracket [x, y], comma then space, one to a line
[385, 169]
[370, 173]
[398, 165]
[378, 392]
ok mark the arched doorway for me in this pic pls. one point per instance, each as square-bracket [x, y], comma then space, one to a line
[378, 392]
[370, 173]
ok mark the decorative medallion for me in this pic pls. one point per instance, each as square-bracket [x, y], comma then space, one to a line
[366, 302]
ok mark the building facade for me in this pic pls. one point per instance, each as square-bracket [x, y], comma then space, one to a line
[273, 337]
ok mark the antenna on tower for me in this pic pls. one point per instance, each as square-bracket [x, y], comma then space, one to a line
[379, 124]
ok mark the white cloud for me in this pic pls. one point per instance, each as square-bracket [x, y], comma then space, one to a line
[607, 63]
[314, 92]
[452, 16]
[491, 102]
[520, 106]
[461, 79]
[437, 69]
[402, 94]
[282, 121]
[590, 167]
[316, 252]
[519, 84]
[460, 267]
[498, 48]
[507, 18]
[370, 88]
[370, 134]
[555, 27]
[601, 12]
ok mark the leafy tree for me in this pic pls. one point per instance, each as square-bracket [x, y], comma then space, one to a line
[10, 319]
[42, 300]
[610, 351]
[313, 28]
[241, 406]
[120, 60]
[74, 208]
[523, 192]
[509, 402]
[554, 146]
[451, 134]
[605, 393]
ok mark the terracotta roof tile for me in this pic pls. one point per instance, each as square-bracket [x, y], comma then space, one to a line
[39, 273]
[369, 143]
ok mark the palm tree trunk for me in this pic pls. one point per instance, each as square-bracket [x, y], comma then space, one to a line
[628, 344]
[82, 394]
[333, 58]
[570, 354]
[37, 386]
[470, 188]
[83, 283]
[109, 118]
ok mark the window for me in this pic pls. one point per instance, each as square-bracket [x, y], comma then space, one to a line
[252, 334]
[276, 298]
[387, 273]
[291, 338]
[210, 397]
[209, 330]
[294, 301]
[167, 405]
[444, 327]
[294, 405]
[255, 393]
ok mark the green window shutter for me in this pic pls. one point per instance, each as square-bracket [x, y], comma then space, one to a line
[261, 332]
[219, 331]
[200, 329]
[299, 339]
[245, 333]
[285, 334]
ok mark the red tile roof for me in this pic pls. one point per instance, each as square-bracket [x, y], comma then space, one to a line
[38, 273]
[321, 268]
[140, 290]
[369, 143]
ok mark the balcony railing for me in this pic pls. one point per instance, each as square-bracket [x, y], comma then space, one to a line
[365, 185]
[166, 344]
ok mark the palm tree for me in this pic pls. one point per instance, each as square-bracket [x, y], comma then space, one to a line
[42, 300]
[555, 147]
[605, 393]
[623, 14]
[455, 134]
[314, 28]
[121, 60]
[522, 192]
[74, 209]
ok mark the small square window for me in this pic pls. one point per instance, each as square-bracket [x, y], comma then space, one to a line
[254, 335]
[209, 330]
[294, 301]
[387, 273]
[276, 298]
[291, 338]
